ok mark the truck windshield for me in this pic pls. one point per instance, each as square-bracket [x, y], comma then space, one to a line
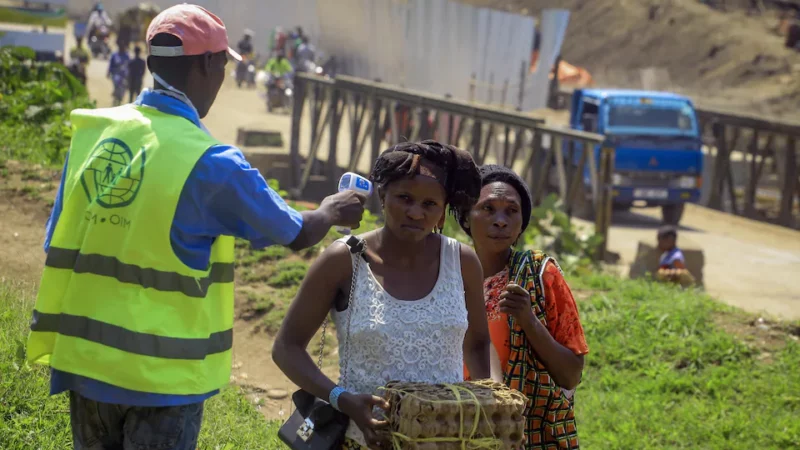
[651, 119]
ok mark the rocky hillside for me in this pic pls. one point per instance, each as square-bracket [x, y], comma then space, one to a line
[725, 59]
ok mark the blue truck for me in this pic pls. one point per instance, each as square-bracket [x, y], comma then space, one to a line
[659, 158]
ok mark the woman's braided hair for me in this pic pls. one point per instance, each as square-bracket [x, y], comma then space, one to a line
[462, 182]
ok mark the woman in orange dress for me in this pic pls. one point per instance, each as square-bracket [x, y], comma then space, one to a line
[533, 320]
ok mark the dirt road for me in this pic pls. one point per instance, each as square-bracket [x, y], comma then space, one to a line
[748, 264]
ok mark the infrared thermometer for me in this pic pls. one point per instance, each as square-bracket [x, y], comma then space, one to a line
[353, 182]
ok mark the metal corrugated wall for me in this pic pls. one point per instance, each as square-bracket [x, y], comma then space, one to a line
[429, 45]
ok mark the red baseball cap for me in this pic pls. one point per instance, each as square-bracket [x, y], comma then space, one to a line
[199, 30]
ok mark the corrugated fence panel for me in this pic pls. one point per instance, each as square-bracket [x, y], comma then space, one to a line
[429, 45]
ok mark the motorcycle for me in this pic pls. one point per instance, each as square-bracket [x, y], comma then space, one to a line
[98, 43]
[246, 73]
[279, 93]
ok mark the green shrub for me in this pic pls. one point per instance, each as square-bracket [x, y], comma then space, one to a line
[36, 99]
[551, 230]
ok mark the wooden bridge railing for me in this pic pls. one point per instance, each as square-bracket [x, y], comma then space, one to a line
[378, 116]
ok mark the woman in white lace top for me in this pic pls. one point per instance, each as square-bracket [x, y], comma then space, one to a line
[417, 311]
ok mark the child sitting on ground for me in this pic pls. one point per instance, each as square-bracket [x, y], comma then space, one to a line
[672, 265]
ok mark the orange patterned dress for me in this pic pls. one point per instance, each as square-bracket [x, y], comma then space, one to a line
[550, 419]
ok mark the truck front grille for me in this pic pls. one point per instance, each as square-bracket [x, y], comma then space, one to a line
[649, 179]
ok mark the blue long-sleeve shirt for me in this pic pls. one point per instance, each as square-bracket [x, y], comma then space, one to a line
[223, 195]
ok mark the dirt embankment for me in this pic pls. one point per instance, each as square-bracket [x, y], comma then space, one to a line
[723, 59]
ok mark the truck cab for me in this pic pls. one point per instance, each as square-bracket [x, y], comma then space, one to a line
[658, 149]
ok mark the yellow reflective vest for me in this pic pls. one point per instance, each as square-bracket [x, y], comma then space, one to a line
[115, 303]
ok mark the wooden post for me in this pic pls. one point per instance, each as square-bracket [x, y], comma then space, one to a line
[519, 141]
[376, 105]
[721, 141]
[541, 175]
[576, 183]
[752, 179]
[589, 147]
[529, 171]
[393, 123]
[357, 112]
[558, 154]
[374, 204]
[316, 115]
[789, 183]
[476, 139]
[603, 214]
[333, 133]
[488, 144]
[294, 145]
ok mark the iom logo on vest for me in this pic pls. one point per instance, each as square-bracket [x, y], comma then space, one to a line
[112, 177]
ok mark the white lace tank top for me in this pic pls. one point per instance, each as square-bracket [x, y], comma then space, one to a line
[391, 339]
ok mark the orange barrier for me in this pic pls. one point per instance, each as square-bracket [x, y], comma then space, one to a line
[568, 74]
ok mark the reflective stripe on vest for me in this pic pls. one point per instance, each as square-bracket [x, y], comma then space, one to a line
[109, 266]
[130, 341]
[115, 303]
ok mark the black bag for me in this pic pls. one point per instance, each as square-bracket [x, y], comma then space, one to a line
[315, 424]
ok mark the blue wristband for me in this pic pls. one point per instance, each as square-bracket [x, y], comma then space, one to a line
[333, 397]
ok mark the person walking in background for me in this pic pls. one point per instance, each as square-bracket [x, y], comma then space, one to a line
[295, 40]
[118, 71]
[537, 337]
[416, 313]
[277, 40]
[136, 69]
[136, 320]
[305, 54]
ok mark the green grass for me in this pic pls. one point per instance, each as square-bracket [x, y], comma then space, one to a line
[661, 374]
[288, 273]
[31, 419]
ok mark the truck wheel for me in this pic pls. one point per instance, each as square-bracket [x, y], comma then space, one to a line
[672, 213]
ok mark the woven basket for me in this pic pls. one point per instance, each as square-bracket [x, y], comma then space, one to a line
[437, 416]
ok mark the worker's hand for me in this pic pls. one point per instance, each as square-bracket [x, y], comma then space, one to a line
[345, 208]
